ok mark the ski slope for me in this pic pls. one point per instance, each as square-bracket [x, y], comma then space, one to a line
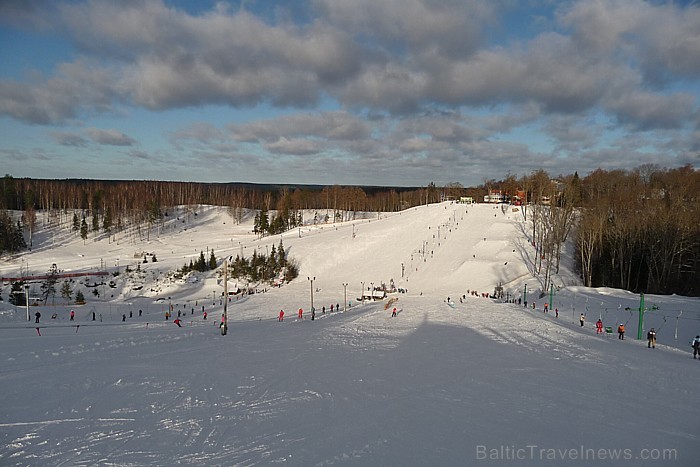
[483, 383]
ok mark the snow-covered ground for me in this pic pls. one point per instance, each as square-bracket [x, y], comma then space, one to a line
[480, 383]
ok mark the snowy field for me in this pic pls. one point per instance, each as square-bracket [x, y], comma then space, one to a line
[480, 383]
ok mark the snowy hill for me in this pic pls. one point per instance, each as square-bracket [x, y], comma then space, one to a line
[482, 382]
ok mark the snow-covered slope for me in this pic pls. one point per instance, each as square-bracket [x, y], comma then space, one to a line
[482, 382]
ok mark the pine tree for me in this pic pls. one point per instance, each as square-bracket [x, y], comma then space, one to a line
[212, 261]
[264, 221]
[17, 294]
[79, 297]
[83, 230]
[201, 265]
[107, 220]
[256, 224]
[66, 291]
[76, 222]
[281, 256]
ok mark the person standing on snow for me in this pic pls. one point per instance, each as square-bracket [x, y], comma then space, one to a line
[621, 332]
[651, 339]
[696, 346]
[281, 316]
[37, 315]
[300, 315]
[599, 326]
[72, 315]
[205, 315]
[582, 319]
[393, 313]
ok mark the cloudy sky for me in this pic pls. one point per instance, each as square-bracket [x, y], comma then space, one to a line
[370, 92]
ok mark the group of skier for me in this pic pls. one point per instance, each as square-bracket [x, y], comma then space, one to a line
[651, 336]
[300, 312]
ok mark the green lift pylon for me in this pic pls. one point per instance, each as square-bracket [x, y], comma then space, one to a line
[641, 317]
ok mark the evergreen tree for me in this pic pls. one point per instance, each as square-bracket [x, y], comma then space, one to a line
[107, 220]
[264, 221]
[66, 291]
[17, 294]
[256, 224]
[19, 242]
[83, 229]
[79, 297]
[201, 265]
[76, 222]
[212, 261]
[11, 238]
[281, 256]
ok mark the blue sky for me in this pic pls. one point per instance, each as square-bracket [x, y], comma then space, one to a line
[351, 92]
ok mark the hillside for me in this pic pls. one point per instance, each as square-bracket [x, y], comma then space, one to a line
[482, 382]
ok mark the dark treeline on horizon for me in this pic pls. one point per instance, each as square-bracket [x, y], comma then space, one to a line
[20, 193]
[637, 230]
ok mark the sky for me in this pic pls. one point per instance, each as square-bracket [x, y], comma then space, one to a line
[434, 386]
[350, 92]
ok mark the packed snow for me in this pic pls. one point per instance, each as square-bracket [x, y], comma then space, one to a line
[472, 381]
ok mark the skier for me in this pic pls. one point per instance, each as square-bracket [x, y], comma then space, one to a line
[582, 319]
[313, 314]
[124, 317]
[599, 327]
[177, 321]
[301, 312]
[93, 316]
[37, 315]
[72, 315]
[331, 308]
[323, 310]
[556, 312]
[337, 307]
[205, 315]
[696, 346]
[281, 316]
[651, 339]
[140, 311]
[621, 332]
[393, 313]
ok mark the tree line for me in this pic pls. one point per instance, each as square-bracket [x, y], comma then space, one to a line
[637, 230]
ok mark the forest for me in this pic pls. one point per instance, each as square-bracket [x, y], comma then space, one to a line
[633, 229]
